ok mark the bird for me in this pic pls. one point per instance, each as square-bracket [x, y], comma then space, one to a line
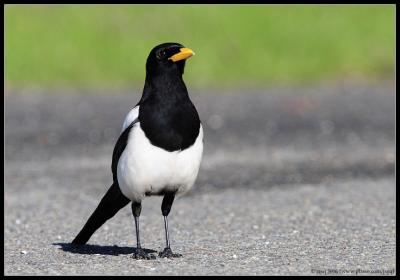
[159, 149]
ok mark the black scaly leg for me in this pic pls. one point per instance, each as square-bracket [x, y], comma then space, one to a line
[165, 209]
[139, 253]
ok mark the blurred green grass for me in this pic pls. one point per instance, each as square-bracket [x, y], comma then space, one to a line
[96, 46]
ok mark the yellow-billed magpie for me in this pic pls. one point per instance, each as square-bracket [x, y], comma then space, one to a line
[159, 149]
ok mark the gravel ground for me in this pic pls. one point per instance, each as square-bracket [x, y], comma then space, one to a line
[293, 182]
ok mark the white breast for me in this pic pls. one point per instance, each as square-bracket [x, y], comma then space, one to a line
[144, 168]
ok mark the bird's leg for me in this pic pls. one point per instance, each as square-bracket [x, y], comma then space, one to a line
[139, 253]
[165, 209]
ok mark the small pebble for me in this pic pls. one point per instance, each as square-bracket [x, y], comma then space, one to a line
[24, 252]
[234, 256]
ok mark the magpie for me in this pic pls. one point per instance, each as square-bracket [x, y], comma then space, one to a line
[159, 149]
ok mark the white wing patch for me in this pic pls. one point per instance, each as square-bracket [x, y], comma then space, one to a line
[132, 115]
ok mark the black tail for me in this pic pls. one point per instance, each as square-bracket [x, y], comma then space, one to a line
[109, 205]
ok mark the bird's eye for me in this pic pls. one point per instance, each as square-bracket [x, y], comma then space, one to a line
[161, 54]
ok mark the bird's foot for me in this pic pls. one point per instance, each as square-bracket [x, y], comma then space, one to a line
[167, 253]
[141, 254]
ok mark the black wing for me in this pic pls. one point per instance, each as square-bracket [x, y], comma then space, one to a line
[119, 149]
[113, 200]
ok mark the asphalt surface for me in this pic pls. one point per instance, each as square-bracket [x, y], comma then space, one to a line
[293, 182]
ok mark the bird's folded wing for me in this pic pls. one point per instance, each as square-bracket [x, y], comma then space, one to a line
[132, 115]
[120, 147]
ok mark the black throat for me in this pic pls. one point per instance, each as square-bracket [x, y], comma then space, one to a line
[166, 114]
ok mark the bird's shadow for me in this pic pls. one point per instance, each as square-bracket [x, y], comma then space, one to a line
[88, 249]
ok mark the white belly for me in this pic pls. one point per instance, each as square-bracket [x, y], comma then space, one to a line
[144, 168]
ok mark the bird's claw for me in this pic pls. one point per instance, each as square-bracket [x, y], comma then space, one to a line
[167, 253]
[140, 254]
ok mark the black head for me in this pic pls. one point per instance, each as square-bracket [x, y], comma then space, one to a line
[167, 58]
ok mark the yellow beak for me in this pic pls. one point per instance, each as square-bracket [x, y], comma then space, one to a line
[183, 54]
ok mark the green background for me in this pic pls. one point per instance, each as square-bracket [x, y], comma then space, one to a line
[106, 46]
